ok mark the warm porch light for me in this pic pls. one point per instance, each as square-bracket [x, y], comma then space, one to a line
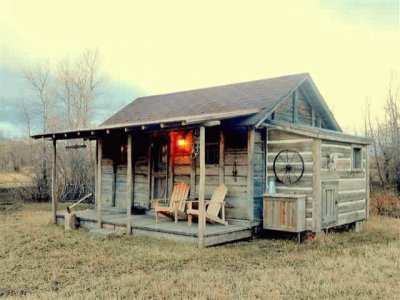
[183, 143]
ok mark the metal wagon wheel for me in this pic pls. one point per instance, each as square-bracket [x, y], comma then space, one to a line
[288, 166]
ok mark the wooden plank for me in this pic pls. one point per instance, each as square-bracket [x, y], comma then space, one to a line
[129, 185]
[266, 153]
[113, 184]
[149, 173]
[221, 157]
[182, 170]
[295, 107]
[350, 217]
[345, 207]
[202, 219]
[367, 196]
[193, 173]
[290, 141]
[316, 186]
[54, 200]
[318, 133]
[301, 147]
[96, 177]
[171, 166]
[313, 117]
[250, 174]
[99, 184]
[276, 135]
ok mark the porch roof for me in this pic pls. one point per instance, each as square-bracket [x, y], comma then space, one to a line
[180, 121]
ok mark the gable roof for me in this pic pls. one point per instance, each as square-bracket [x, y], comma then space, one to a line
[253, 102]
[259, 95]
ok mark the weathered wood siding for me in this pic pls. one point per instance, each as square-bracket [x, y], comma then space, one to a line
[120, 186]
[280, 140]
[234, 158]
[236, 152]
[352, 183]
[107, 182]
[259, 173]
[114, 174]
[298, 109]
[141, 186]
[183, 169]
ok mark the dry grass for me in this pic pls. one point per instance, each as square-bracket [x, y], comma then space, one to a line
[41, 260]
[14, 179]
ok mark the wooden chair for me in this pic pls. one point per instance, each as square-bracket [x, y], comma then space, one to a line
[214, 206]
[176, 205]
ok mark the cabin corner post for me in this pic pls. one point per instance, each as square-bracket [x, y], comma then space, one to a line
[202, 219]
[250, 174]
[266, 161]
[99, 180]
[316, 181]
[54, 200]
[129, 185]
[221, 157]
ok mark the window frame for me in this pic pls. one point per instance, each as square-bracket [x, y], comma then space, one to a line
[354, 148]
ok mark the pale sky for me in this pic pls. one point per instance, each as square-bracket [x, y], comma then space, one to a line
[350, 48]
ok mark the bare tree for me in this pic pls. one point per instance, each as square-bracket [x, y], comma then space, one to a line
[63, 97]
[39, 79]
[385, 135]
[78, 83]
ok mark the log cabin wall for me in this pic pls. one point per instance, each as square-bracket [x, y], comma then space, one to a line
[352, 185]
[108, 181]
[182, 168]
[141, 171]
[235, 175]
[347, 182]
[234, 164]
[279, 140]
[235, 169]
[114, 172]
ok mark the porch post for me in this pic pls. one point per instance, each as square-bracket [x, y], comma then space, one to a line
[54, 199]
[250, 174]
[129, 186]
[221, 157]
[99, 183]
[316, 207]
[202, 219]
[367, 188]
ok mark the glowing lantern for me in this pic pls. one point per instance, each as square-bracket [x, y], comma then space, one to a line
[183, 143]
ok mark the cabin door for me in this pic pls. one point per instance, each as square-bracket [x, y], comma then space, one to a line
[329, 207]
[159, 169]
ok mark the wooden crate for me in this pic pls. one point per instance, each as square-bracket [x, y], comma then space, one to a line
[284, 212]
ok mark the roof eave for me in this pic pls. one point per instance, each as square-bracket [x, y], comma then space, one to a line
[185, 122]
[319, 133]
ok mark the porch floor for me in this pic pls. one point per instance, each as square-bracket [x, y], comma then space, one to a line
[115, 218]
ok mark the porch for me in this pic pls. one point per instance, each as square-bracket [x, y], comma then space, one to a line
[116, 218]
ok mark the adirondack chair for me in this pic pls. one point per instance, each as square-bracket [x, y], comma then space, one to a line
[214, 206]
[176, 205]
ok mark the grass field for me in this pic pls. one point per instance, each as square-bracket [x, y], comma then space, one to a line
[39, 260]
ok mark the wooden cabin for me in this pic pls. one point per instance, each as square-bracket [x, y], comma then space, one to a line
[245, 135]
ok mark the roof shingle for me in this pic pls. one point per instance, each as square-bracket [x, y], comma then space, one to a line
[260, 94]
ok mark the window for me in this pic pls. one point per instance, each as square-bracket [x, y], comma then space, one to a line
[212, 153]
[212, 147]
[357, 158]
